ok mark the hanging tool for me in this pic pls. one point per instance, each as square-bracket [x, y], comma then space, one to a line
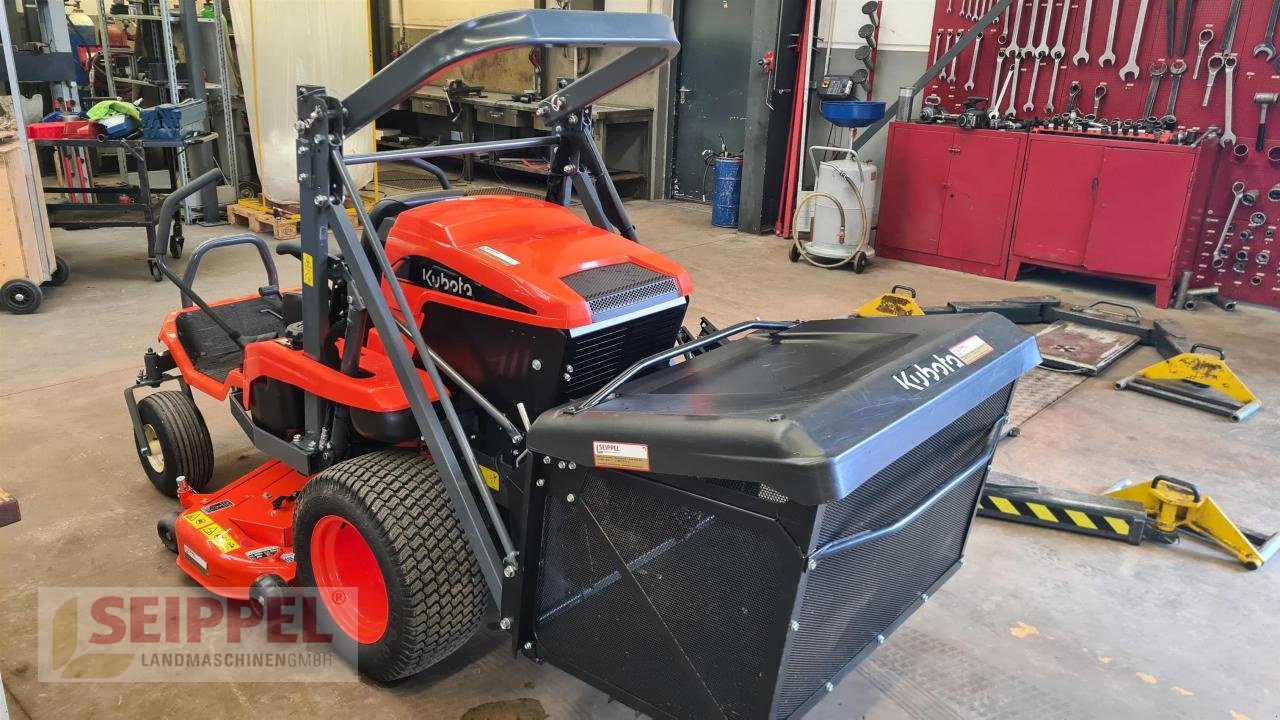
[1176, 70]
[1157, 72]
[1029, 49]
[1170, 24]
[1001, 53]
[1013, 88]
[937, 46]
[1265, 100]
[1131, 68]
[1268, 45]
[1219, 251]
[1042, 50]
[1098, 93]
[951, 34]
[1072, 96]
[1228, 133]
[1017, 27]
[1029, 105]
[973, 62]
[1188, 14]
[951, 77]
[1176, 506]
[1108, 56]
[1206, 37]
[1229, 32]
[993, 112]
[1004, 27]
[1058, 52]
[1082, 55]
[1216, 61]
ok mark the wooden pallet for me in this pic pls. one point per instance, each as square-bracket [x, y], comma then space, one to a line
[282, 224]
[265, 222]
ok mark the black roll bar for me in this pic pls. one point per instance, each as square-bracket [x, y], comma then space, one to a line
[653, 38]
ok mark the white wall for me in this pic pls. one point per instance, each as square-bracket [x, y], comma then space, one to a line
[904, 24]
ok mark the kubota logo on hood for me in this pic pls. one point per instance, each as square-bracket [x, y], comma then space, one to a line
[919, 377]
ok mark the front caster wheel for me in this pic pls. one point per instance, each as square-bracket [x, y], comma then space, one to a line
[61, 272]
[166, 528]
[859, 263]
[175, 442]
[264, 590]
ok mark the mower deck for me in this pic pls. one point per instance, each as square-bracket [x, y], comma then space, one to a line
[229, 538]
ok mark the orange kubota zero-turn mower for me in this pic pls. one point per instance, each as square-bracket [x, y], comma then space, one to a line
[486, 399]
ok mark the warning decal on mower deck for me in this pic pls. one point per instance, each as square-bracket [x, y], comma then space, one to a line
[623, 456]
[217, 536]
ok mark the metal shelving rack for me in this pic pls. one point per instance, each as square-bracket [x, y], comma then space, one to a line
[161, 12]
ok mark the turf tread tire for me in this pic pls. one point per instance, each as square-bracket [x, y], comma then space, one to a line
[184, 439]
[437, 596]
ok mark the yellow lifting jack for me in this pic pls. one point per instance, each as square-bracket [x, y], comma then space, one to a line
[1174, 506]
[892, 304]
[1196, 380]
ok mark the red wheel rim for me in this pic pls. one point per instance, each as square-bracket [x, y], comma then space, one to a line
[341, 558]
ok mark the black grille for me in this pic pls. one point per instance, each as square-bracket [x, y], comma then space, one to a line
[618, 287]
[600, 356]
[716, 585]
[854, 596]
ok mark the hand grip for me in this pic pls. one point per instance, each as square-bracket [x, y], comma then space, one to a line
[164, 222]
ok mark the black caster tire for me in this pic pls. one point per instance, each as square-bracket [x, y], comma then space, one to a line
[793, 254]
[859, 263]
[383, 524]
[175, 442]
[154, 268]
[61, 272]
[264, 590]
[21, 296]
[176, 243]
[166, 528]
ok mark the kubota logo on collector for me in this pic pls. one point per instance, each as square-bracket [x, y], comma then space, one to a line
[179, 634]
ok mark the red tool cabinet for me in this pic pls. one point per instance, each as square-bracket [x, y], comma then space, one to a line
[988, 202]
[949, 197]
[1113, 208]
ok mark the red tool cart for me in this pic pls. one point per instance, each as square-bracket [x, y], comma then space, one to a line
[1098, 202]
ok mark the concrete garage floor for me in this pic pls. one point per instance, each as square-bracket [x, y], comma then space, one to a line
[1038, 624]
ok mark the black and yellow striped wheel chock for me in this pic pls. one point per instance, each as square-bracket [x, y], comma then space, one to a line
[1161, 510]
[1196, 380]
[900, 301]
[1007, 498]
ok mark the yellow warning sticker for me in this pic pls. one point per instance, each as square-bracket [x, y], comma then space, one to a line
[623, 456]
[308, 270]
[215, 533]
[224, 542]
[490, 478]
[199, 519]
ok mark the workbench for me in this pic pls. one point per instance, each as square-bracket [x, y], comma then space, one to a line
[621, 132]
[83, 210]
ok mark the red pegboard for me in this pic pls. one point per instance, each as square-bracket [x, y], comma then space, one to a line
[1125, 100]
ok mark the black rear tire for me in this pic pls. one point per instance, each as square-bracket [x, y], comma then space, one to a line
[166, 528]
[176, 441]
[436, 596]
